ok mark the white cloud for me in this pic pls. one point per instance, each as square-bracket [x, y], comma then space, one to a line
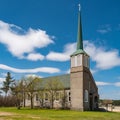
[70, 48]
[20, 44]
[64, 56]
[104, 59]
[54, 56]
[35, 70]
[33, 75]
[1, 81]
[93, 71]
[117, 84]
[104, 29]
[102, 83]
[90, 48]
[107, 59]
[35, 56]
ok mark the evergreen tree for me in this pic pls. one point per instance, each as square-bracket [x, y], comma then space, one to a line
[7, 83]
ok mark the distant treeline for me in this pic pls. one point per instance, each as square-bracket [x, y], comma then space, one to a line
[116, 102]
[113, 102]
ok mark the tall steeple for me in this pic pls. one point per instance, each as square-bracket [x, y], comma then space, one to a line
[79, 49]
[79, 34]
[81, 80]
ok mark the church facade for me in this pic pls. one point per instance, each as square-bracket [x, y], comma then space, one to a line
[79, 86]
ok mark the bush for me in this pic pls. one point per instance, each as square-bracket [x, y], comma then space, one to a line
[7, 101]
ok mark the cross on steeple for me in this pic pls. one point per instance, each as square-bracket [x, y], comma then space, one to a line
[79, 7]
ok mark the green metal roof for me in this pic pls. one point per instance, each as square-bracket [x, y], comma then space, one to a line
[64, 79]
[79, 34]
[80, 51]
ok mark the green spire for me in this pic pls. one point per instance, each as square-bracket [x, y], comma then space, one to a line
[79, 34]
[79, 49]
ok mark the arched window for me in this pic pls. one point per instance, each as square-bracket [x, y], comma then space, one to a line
[86, 96]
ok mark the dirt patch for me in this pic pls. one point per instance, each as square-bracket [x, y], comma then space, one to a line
[5, 114]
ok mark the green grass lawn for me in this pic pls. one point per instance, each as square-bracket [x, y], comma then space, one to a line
[38, 114]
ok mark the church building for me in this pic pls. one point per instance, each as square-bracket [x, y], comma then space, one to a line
[80, 87]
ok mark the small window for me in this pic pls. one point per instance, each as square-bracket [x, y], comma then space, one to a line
[86, 96]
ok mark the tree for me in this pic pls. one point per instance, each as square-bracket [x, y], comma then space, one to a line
[116, 102]
[7, 83]
[23, 90]
[18, 90]
[52, 87]
[41, 97]
[31, 87]
[41, 92]
[64, 99]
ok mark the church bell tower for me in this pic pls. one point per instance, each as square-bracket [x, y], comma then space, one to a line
[79, 65]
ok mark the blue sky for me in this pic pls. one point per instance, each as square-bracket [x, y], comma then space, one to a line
[38, 36]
